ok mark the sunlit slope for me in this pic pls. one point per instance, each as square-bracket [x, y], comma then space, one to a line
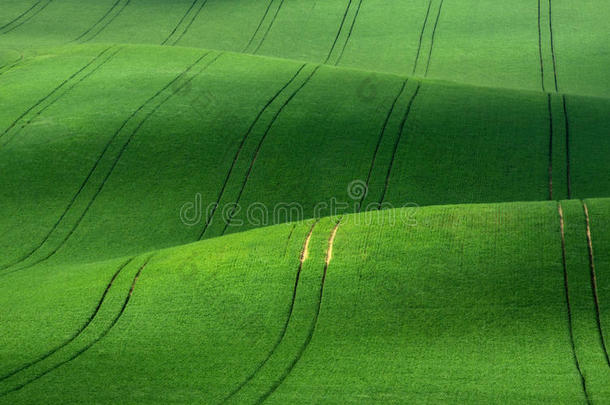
[103, 146]
[546, 46]
[445, 303]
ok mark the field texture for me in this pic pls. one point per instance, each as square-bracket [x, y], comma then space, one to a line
[300, 201]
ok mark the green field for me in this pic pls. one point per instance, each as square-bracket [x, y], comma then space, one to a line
[301, 201]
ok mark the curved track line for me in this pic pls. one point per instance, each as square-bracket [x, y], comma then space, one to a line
[99, 21]
[567, 130]
[553, 46]
[110, 20]
[43, 109]
[421, 36]
[302, 257]
[95, 165]
[269, 27]
[260, 24]
[349, 33]
[349, 4]
[438, 16]
[398, 138]
[77, 333]
[188, 26]
[540, 46]
[241, 145]
[88, 346]
[594, 283]
[9, 66]
[179, 22]
[28, 18]
[379, 139]
[260, 144]
[20, 15]
[568, 306]
[56, 89]
[329, 255]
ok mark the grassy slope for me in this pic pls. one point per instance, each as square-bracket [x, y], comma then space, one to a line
[398, 321]
[90, 178]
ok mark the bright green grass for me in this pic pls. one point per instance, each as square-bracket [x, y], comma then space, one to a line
[398, 322]
[116, 115]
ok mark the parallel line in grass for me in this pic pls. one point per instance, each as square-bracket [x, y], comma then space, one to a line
[349, 4]
[349, 34]
[240, 147]
[269, 27]
[553, 45]
[180, 22]
[594, 282]
[99, 158]
[99, 21]
[109, 21]
[260, 144]
[188, 26]
[20, 15]
[27, 18]
[96, 340]
[31, 252]
[540, 45]
[567, 133]
[551, 130]
[78, 332]
[260, 24]
[312, 329]
[52, 102]
[9, 66]
[421, 36]
[55, 90]
[379, 139]
[292, 228]
[397, 142]
[438, 16]
[568, 306]
[302, 257]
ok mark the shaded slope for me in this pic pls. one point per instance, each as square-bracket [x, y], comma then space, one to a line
[113, 122]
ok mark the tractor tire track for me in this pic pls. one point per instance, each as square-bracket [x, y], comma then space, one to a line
[568, 306]
[551, 130]
[269, 27]
[78, 332]
[398, 138]
[9, 66]
[349, 33]
[260, 144]
[180, 22]
[553, 46]
[302, 257]
[379, 139]
[438, 16]
[349, 4]
[50, 104]
[109, 21]
[594, 283]
[55, 90]
[421, 36]
[5, 29]
[99, 21]
[92, 343]
[188, 26]
[241, 145]
[260, 24]
[312, 329]
[20, 15]
[98, 160]
[540, 45]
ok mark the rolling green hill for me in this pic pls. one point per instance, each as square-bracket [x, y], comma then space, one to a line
[293, 201]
